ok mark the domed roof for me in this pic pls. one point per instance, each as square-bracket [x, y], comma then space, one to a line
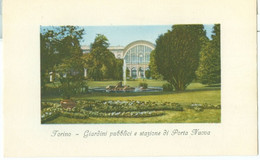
[139, 42]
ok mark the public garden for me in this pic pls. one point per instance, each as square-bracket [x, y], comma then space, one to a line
[108, 93]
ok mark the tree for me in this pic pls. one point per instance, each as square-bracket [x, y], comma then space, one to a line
[100, 41]
[61, 53]
[118, 71]
[71, 76]
[209, 69]
[153, 67]
[148, 73]
[101, 62]
[49, 56]
[71, 70]
[177, 54]
[127, 72]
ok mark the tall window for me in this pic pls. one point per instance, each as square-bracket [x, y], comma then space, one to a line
[141, 58]
[134, 74]
[127, 58]
[134, 58]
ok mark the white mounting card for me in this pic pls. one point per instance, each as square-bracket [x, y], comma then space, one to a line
[25, 136]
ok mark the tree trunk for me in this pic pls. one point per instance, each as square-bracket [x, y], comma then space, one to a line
[179, 87]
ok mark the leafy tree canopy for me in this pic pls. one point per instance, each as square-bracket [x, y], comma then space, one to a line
[61, 54]
[209, 71]
[100, 41]
[177, 54]
[153, 67]
[101, 62]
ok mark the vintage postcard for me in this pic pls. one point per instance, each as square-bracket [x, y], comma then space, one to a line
[100, 77]
[140, 77]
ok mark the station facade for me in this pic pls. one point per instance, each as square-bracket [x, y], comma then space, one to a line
[136, 56]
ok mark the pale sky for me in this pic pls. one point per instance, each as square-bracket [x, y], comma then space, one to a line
[123, 35]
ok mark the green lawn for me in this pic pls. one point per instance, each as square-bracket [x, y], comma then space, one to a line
[185, 98]
[150, 82]
[135, 83]
[195, 93]
[132, 83]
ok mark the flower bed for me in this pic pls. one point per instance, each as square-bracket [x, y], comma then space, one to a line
[115, 106]
[112, 114]
[74, 115]
[131, 114]
[200, 107]
[85, 109]
[50, 111]
[129, 109]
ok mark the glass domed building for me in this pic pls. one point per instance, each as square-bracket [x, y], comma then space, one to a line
[136, 56]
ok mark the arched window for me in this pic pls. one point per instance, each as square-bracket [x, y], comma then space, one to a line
[138, 54]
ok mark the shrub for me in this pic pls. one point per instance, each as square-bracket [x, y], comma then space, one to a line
[148, 74]
[143, 85]
[46, 105]
[167, 87]
[51, 91]
[60, 91]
